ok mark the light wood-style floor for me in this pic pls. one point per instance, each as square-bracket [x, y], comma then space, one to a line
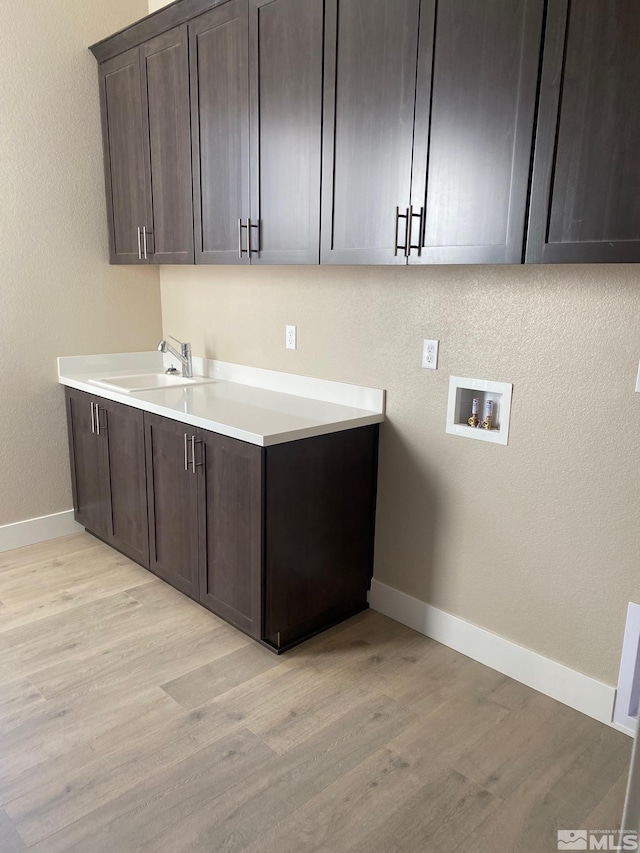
[131, 719]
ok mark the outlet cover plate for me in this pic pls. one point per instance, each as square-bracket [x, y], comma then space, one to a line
[430, 354]
[291, 337]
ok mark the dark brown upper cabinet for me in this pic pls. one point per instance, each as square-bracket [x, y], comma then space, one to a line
[475, 108]
[371, 49]
[286, 42]
[374, 132]
[256, 65]
[585, 201]
[429, 111]
[219, 67]
[128, 208]
[146, 136]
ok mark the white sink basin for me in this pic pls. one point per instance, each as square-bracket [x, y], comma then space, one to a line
[147, 382]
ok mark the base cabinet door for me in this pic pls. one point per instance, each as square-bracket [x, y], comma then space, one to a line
[87, 454]
[172, 496]
[231, 530]
[122, 430]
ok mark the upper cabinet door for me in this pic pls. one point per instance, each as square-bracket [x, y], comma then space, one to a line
[585, 204]
[475, 108]
[128, 195]
[165, 86]
[218, 44]
[285, 44]
[370, 78]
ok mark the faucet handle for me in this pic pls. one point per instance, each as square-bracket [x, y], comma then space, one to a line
[185, 348]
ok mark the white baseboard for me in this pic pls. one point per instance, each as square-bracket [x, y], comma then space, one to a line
[568, 686]
[34, 530]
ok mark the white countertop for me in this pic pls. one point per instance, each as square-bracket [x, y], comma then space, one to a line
[262, 407]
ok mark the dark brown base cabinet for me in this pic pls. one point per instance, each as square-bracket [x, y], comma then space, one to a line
[278, 541]
[106, 447]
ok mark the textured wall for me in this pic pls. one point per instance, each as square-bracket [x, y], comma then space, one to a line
[58, 294]
[536, 541]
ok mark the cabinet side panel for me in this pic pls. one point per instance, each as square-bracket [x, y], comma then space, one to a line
[286, 49]
[126, 470]
[319, 523]
[596, 186]
[231, 553]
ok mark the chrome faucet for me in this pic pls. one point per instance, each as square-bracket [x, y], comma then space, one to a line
[184, 356]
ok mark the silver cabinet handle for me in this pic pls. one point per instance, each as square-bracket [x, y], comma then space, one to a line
[240, 249]
[186, 452]
[139, 245]
[410, 245]
[396, 246]
[194, 464]
[97, 411]
[144, 241]
[93, 423]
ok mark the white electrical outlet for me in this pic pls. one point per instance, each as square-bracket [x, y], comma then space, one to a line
[291, 337]
[430, 354]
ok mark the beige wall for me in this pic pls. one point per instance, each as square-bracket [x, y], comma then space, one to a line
[58, 294]
[536, 541]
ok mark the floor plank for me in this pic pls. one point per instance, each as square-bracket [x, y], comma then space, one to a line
[10, 841]
[132, 719]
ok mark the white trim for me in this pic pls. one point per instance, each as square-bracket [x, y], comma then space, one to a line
[34, 530]
[568, 686]
[629, 672]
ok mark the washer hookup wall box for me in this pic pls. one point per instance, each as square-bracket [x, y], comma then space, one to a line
[479, 408]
